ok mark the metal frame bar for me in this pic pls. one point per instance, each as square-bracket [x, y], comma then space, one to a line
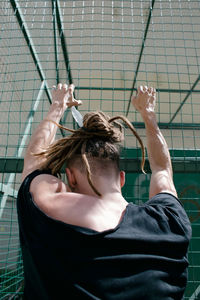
[11, 192]
[181, 164]
[141, 53]
[177, 126]
[54, 14]
[29, 122]
[55, 40]
[63, 41]
[31, 47]
[11, 164]
[195, 294]
[185, 99]
[97, 88]
[65, 54]
[19, 150]
[58, 18]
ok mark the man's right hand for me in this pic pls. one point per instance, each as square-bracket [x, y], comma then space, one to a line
[63, 96]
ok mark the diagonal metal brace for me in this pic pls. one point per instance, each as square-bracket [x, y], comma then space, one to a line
[184, 100]
[29, 42]
[141, 53]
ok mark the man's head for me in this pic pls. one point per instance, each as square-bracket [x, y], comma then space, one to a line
[98, 161]
[96, 177]
[93, 150]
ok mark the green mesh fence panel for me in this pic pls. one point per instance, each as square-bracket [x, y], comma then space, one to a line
[107, 49]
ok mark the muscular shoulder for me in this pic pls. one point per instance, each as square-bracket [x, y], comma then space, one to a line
[46, 183]
[51, 196]
[44, 189]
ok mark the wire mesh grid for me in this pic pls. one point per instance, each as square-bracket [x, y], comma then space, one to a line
[107, 49]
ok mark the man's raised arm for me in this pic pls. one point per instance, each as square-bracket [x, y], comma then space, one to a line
[158, 153]
[44, 135]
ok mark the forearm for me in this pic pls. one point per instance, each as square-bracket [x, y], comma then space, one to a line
[45, 133]
[158, 153]
[159, 158]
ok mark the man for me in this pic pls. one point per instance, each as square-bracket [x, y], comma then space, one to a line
[83, 240]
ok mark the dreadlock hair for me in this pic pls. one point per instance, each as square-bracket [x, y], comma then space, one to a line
[99, 137]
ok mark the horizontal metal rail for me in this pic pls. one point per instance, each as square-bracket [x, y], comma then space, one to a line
[170, 91]
[177, 126]
[129, 165]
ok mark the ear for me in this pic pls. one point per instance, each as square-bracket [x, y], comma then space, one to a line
[71, 178]
[122, 178]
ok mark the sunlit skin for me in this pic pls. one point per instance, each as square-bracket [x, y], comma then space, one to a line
[76, 203]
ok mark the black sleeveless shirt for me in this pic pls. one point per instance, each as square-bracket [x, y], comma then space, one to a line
[144, 257]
